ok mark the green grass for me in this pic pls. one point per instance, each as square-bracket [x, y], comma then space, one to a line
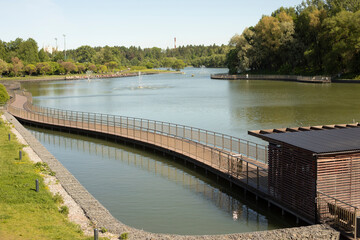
[37, 77]
[25, 213]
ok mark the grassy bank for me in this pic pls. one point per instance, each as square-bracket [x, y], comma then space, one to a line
[55, 77]
[25, 213]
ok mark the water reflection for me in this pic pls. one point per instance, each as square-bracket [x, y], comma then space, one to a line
[232, 213]
[269, 104]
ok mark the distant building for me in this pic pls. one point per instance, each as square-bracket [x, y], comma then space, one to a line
[49, 49]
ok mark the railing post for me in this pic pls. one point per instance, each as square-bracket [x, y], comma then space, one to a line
[266, 155]
[247, 172]
[147, 131]
[336, 216]
[214, 140]
[257, 177]
[247, 149]
[256, 151]
[228, 164]
[355, 226]
[167, 138]
[206, 134]
[223, 142]
[219, 159]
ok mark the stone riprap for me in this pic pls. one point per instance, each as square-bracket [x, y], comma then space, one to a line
[101, 217]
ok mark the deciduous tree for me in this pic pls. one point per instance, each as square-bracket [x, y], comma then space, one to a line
[30, 69]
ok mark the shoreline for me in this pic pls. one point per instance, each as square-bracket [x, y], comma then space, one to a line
[83, 76]
[98, 216]
[290, 78]
[280, 77]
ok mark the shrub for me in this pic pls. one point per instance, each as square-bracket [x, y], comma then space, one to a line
[64, 210]
[58, 199]
[44, 168]
[124, 236]
[103, 230]
[4, 96]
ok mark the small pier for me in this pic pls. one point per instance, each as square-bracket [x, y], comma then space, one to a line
[290, 78]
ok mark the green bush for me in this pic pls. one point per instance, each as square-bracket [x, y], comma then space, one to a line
[64, 210]
[58, 199]
[124, 236]
[4, 96]
[44, 168]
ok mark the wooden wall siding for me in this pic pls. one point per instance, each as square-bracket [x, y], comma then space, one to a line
[339, 177]
[292, 178]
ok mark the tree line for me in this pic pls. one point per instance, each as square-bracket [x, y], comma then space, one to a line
[20, 57]
[315, 37]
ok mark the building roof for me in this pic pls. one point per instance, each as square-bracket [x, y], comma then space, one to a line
[317, 139]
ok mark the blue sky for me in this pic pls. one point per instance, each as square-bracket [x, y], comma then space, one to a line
[145, 23]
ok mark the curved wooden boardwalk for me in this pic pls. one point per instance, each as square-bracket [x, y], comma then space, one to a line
[239, 161]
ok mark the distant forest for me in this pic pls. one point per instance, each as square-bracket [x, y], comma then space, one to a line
[23, 57]
[316, 37]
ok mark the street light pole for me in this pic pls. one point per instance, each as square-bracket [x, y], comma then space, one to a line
[65, 44]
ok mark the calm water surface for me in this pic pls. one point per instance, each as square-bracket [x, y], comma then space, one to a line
[231, 107]
[152, 193]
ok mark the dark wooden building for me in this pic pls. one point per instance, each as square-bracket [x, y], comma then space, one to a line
[306, 161]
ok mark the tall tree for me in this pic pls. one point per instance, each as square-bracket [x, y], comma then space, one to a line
[85, 54]
[28, 51]
[3, 52]
[17, 66]
[342, 35]
[3, 67]
[336, 6]
[43, 56]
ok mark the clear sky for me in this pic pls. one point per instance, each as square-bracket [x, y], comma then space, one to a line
[144, 23]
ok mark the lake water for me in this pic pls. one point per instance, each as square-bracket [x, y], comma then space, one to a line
[153, 193]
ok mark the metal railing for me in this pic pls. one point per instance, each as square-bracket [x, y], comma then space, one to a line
[217, 140]
[337, 214]
[225, 153]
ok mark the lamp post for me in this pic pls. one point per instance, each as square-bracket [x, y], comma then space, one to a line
[65, 44]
